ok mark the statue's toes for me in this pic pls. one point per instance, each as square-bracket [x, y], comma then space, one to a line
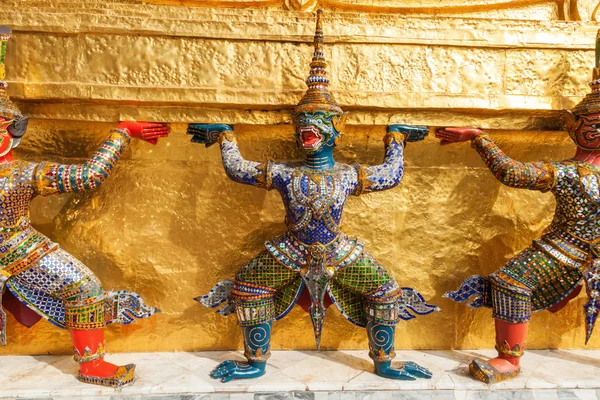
[227, 378]
[397, 373]
[216, 373]
[222, 369]
[404, 375]
[227, 363]
[416, 370]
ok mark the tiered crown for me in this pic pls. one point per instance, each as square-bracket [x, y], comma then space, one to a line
[317, 97]
[591, 103]
[7, 108]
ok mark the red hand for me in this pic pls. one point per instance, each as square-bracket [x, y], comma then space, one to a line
[147, 131]
[455, 135]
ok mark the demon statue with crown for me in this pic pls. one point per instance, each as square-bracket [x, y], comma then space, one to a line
[314, 263]
[548, 274]
[42, 279]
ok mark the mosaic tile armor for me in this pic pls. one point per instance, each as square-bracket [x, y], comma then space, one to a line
[36, 270]
[546, 275]
[37, 278]
[548, 271]
[314, 252]
[314, 257]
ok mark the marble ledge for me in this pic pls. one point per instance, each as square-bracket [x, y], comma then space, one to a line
[331, 375]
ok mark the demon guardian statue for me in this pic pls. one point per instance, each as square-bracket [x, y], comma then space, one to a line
[314, 255]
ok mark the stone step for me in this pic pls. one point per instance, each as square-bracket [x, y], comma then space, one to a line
[343, 375]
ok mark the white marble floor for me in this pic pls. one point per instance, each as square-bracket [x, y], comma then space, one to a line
[320, 374]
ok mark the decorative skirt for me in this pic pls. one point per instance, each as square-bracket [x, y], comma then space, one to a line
[351, 288]
[531, 281]
[63, 290]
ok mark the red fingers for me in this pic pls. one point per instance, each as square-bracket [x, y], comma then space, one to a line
[453, 135]
[148, 131]
[155, 131]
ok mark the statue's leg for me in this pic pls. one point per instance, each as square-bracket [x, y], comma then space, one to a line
[531, 281]
[263, 289]
[512, 306]
[66, 292]
[255, 310]
[85, 320]
[381, 350]
[510, 342]
[382, 317]
[368, 296]
[257, 349]
[89, 349]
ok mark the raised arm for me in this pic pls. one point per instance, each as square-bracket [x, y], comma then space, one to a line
[522, 175]
[236, 167]
[51, 178]
[389, 174]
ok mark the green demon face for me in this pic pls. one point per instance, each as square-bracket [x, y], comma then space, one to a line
[318, 129]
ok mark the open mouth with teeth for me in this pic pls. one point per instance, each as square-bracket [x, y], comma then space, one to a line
[310, 137]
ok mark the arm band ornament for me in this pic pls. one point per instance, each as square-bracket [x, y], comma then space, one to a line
[533, 176]
[264, 178]
[363, 183]
[230, 136]
[394, 137]
[50, 178]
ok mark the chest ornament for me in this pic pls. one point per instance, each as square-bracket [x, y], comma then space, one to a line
[314, 195]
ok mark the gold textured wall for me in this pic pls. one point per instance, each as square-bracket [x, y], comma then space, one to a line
[168, 224]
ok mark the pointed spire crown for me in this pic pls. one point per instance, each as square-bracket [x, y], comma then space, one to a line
[591, 103]
[317, 97]
[7, 108]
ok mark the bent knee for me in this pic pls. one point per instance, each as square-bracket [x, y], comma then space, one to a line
[502, 282]
[386, 293]
[511, 299]
[84, 289]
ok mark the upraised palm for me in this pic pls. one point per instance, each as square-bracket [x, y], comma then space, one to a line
[412, 133]
[207, 134]
[456, 135]
[147, 131]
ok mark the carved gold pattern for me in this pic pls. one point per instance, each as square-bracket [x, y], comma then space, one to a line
[265, 178]
[220, 3]
[257, 355]
[301, 5]
[386, 7]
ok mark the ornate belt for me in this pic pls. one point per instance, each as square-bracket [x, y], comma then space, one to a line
[31, 249]
[295, 254]
[558, 255]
